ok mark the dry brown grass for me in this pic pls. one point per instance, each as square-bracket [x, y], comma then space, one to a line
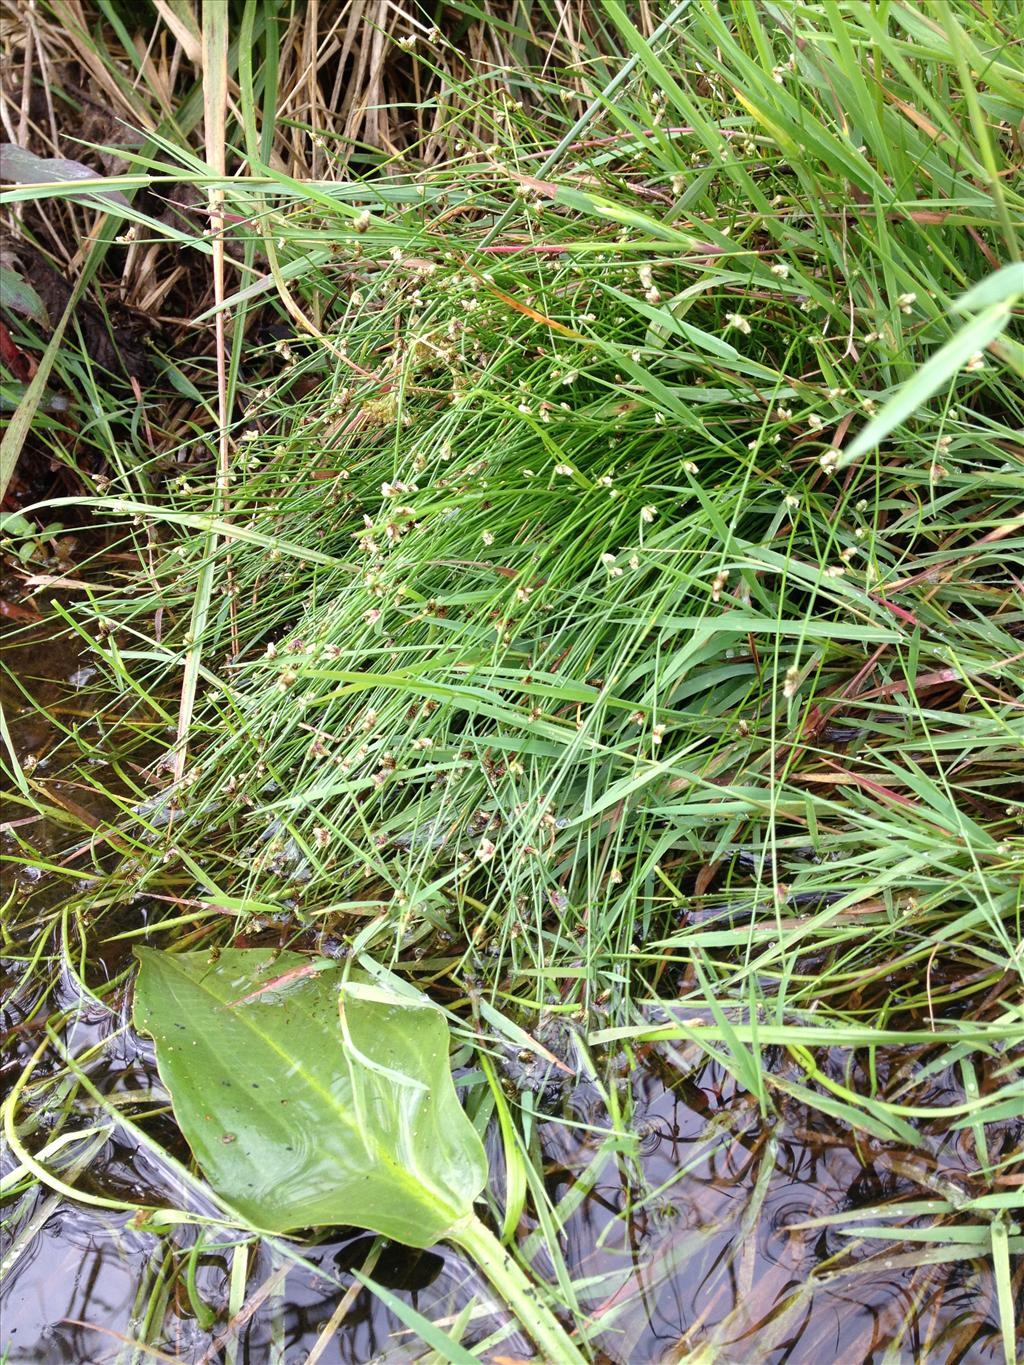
[360, 82]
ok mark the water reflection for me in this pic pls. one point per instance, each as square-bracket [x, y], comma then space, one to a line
[696, 1238]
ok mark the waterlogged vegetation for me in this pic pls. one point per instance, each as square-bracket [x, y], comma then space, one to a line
[513, 657]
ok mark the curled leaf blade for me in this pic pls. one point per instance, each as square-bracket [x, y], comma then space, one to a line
[287, 1125]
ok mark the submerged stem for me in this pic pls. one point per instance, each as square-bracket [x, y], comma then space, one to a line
[480, 1244]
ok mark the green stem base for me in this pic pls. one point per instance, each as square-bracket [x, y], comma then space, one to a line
[480, 1244]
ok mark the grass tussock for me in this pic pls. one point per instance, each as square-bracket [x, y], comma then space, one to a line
[595, 587]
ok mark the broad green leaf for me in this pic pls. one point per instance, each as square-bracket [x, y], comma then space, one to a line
[290, 1125]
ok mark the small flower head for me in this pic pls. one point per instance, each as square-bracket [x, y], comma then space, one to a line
[738, 321]
[651, 291]
[648, 513]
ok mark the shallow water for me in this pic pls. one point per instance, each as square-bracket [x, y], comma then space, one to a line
[688, 1233]
[695, 1238]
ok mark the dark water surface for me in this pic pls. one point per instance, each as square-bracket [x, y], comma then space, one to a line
[688, 1235]
[696, 1237]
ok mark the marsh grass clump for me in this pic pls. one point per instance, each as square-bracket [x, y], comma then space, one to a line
[527, 603]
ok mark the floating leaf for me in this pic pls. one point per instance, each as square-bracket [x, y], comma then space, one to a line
[286, 1125]
[310, 1097]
